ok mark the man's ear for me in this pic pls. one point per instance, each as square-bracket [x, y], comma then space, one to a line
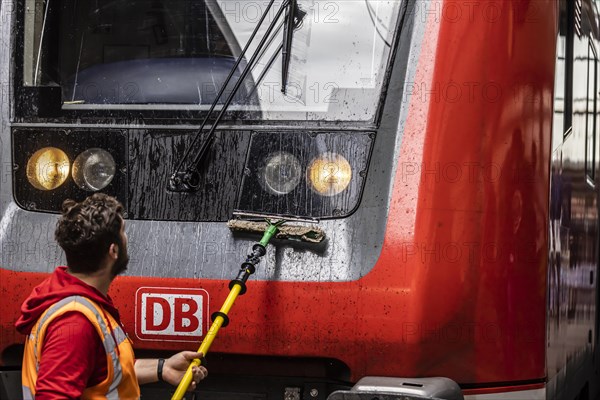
[113, 251]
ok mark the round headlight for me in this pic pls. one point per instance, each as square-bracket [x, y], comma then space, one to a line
[48, 168]
[93, 169]
[281, 173]
[329, 174]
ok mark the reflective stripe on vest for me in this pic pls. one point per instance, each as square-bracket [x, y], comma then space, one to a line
[27, 395]
[110, 346]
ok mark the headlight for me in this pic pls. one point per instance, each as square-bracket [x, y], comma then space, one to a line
[329, 174]
[48, 168]
[281, 173]
[93, 169]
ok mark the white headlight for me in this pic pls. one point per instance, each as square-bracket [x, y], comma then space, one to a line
[93, 169]
[281, 174]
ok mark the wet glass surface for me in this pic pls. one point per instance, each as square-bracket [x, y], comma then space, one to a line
[177, 54]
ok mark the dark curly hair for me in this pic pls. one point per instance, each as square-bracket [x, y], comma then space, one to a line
[87, 229]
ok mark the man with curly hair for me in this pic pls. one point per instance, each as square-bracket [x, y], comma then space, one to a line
[76, 346]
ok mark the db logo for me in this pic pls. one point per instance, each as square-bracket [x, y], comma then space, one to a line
[171, 314]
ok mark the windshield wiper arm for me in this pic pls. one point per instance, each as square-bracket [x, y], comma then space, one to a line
[294, 17]
[188, 180]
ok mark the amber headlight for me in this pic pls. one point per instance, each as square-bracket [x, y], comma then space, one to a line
[329, 174]
[48, 168]
[93, 169]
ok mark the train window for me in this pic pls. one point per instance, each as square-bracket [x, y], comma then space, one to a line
[85, 47]
[591, 112]
[559, 122]
[563, 97]
[176, 54]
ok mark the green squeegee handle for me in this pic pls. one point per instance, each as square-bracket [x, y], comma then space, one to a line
[270, 232]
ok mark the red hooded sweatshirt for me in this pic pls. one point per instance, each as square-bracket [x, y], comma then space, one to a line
[73, 357]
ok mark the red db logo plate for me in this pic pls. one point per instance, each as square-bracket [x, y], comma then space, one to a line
[171, 313]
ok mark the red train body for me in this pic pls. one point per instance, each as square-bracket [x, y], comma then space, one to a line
[487, 269]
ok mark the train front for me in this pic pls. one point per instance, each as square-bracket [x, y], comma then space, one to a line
[335, 123]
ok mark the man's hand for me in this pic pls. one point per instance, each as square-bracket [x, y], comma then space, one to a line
[176, 365]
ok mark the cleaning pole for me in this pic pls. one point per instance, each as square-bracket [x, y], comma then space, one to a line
[236, 287]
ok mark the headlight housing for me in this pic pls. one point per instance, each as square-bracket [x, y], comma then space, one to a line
[45, 189]
[332, 167]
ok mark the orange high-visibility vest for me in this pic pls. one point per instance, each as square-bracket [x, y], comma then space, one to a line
[120, 383]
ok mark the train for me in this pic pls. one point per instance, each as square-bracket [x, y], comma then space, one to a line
[449, 156]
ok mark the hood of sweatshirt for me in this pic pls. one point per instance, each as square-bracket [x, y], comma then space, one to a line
[55, 288]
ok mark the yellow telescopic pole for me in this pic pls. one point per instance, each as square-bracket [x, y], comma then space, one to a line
[237, 287]
[207, 342]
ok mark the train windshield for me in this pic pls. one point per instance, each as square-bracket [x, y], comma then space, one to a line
[176, 54]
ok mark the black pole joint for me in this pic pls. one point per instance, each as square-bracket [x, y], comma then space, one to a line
[259, 250]
[248, 267]
[220, 314]
[240, 280]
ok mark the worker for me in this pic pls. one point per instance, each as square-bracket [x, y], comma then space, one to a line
[76, 346]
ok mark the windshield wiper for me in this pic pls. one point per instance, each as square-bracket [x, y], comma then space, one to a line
[298, 17]
[188, 180]
[294, 17]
